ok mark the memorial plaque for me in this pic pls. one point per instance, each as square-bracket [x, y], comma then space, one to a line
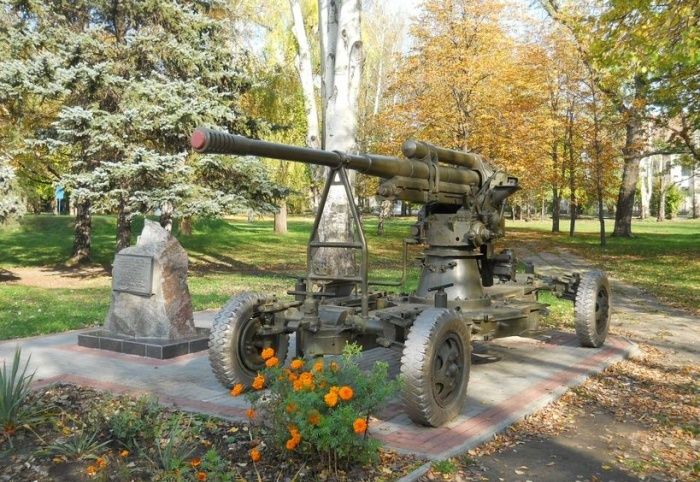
[133, 273]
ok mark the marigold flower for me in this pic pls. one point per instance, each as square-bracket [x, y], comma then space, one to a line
[359, 426]
[345, 393]
[255, 455]
[196, 462]
[314, 417]
[258, 382]
[296, 385]
[291, 407]
[297, 364]
[331, 399]
[272, 362]
[201, 476]
[306, 379]
[91, 470]
[291, 444]
[293, 377]
[334, 389]
[267, 353]
[124, 453]
[318, 366]
[334, 366]
[294, 432]
[250, 413]
[237, 389]
[101, 462]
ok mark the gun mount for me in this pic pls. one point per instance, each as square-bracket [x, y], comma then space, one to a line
[456, 301]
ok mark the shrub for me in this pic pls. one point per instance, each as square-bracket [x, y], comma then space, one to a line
[672, 204]
[317, 407]
[136, 424]
[14, 391]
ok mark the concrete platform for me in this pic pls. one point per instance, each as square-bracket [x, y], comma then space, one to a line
[530, 374]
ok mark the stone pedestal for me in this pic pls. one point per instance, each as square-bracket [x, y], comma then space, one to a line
[151, 309]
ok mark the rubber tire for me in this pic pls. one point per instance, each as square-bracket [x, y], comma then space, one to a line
[431, 326]
[592, 332]
[224, 336]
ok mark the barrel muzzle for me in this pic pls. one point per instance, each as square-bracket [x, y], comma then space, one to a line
[216, 142]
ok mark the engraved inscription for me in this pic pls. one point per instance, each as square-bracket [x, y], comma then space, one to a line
[133, 273]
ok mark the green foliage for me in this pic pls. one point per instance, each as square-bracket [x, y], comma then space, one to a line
[446, 466]
[128, 86]
[672, 202]
[14, 392]
[321, 408]
[174, 442]
[135, 424]
[82, 445]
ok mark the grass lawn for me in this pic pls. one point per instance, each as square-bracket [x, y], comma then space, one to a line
[230, 256]
[663, 258]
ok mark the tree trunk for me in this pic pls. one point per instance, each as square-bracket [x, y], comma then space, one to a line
[692, 188]
[556, 209]
[281, 218]
[646, 187]
[166, 215]
[83, 233]
[601, 217]
[306, 78]
[341, 54]
[186, 226]
[123, 226]
[631, 153]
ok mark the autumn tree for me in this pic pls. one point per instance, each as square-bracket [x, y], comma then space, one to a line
[639, 53]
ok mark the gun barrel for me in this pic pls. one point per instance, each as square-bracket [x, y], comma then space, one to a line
[215, 142]
[419, 150]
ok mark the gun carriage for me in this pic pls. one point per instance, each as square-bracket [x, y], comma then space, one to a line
[466, 292]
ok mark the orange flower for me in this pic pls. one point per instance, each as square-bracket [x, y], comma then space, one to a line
[318, 366]
[293, 376]
[345, 393]
[291, 407]
[196, 462]
[291, 444]
[297, 364]
[272, 362]
[306, 379]
[250, 413]
[258, 382]
[334, 366]
[331, 399]
[101, 463]
[334, 389]
[255, 455]
[124, 453]
[314, 417]
[296, 385]
[91, 470]
[267, 353]
[237, 389]
[201, 476]
[359, 426]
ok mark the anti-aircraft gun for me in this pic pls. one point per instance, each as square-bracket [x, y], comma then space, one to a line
[457, 300]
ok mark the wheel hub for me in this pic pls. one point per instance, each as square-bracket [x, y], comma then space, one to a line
[251, 345]
[602, 306]
[448, 369]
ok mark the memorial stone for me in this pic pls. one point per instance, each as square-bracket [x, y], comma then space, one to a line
[150, 297]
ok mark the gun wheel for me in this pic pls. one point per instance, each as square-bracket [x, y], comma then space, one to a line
[235, 344]
[435, 367]
[592, 309]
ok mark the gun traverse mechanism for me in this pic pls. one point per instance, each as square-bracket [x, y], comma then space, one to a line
[457, 300]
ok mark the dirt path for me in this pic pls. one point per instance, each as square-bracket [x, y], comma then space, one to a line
[638, 420]
[50, 277]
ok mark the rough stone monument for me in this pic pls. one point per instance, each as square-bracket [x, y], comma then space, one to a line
[151, 309]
